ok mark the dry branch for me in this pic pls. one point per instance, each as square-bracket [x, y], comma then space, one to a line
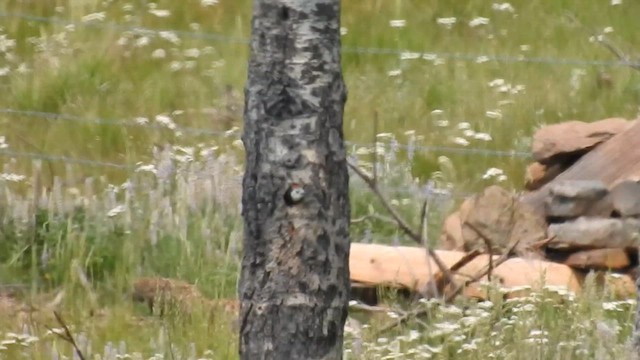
[404, 226]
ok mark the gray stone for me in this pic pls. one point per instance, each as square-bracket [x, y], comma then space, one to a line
[586, 232]
[625, 198]
[574, 198]
[501, 218]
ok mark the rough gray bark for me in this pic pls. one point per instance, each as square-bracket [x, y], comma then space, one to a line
[294, 284]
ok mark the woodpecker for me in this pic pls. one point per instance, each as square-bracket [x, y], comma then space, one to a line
[294, 194]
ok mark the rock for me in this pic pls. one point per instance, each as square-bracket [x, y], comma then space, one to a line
[601, 259]
[537, 174]
[573, 138]
[575, 198]
[625, 199]
[616, 160]
[451, 238]
[586, 232]
[502, 218]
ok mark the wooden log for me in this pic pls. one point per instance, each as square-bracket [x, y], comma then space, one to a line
[603, 259]
[408, 267]
[615, 160]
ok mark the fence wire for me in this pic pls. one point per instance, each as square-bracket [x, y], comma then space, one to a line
[361, 50]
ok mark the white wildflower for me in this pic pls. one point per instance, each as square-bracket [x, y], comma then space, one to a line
[482, 59]
[6, 44]
[430, 57]
[99, 16]
[396, 72]
[206, 3]
[398, 23]
[170, 36]
[116, 210]
[175, 66]
[160, 13]
[142, 41]
[146, 168]
[409, 55]
[496, 82]
[607, 30]
[141, 120]
[447, 22]
[482, 136]
[166, 121]
[492, 172]
[479, 21]
[505, 6]
[437, 112]
[525, 47]
[158, 54]
[468, 133]
[343, 31]
[192, 53]
[22, 68]
[494, 114]
[442, 123]
[4, 71]
[616, 2]
[464, 125]
[12, 177]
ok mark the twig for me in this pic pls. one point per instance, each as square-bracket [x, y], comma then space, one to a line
[504, 257]
[617, 52]
[430, 289]
[455, 292]
[489, 245]
[467, 258]
[400, 222]
[375, 147]
[67, 336]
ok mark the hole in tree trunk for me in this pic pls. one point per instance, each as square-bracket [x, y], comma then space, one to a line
[284, 13]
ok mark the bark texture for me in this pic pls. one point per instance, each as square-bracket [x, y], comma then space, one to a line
[294, 285]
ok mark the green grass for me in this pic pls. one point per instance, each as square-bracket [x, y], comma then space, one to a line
[112, 225]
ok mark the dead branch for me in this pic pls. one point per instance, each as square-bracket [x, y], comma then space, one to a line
[452, 295]
[402, 224]
[430, 290]
[489, 245]
[467, 258]
[67, 335]
[609, 45]
[504, 257]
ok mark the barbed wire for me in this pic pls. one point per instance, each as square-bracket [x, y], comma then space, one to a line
[451, 150]
[425, 191]
[65, 159]
[48, 116]
[345, 49]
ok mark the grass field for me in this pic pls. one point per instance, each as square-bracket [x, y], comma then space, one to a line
[93, 92]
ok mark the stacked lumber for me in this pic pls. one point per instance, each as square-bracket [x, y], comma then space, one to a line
[580, 214]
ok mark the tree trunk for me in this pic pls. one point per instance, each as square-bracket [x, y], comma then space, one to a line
[294, 284]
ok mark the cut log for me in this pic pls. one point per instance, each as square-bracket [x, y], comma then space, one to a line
[615, 160]
[601, 259]
[408, 267]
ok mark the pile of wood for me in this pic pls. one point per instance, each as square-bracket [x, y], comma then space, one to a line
[580, 214]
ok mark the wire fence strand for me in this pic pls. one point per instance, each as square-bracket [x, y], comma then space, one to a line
[48, 116]
[428, 54]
